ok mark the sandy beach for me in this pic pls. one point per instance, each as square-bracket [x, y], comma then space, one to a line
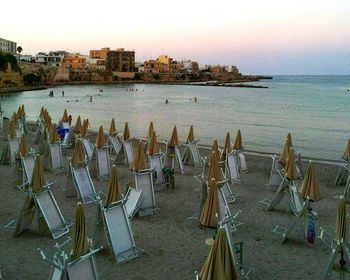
[174, 246]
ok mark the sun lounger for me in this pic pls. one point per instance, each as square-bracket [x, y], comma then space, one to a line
[241, 161]
[89, 148]
[223, 205]
[144, 182]
[55, 152]
[133, 202]
[343, 173]
[192, 149]
[27, 169]
[174, 159]
[233, 167]
[115, 144]
[1, 120]
[13, 150]
[128, 151]
[102, 162]
[346, 192]
[157, 165]
[83, 183]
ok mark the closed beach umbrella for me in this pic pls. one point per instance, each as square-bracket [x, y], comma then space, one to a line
[227, 147]
[190, 136]
[126, 133]
[78, 126]
[65, 117]
[219, 263]
[310, 186]
[11, 130]
[38, 175]
[80, 240]
[84, 128]
[23, 146]
[238, 145]
[100, 139]
[290, 169]
[214, 169]
[53, 135]
[14, 118]
[112, 128]
[285, 152]
[153, 145]
[23, 111]
[19, 112]
[174, 139]
[140, 159]
[289, 139]
[78, 155]
[41, 115]
[215, 149]
[114, 189]
[341, 221]
[150, 130]
[346, 152]
[209, 214]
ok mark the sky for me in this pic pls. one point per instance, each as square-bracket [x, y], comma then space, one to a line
[260, 37]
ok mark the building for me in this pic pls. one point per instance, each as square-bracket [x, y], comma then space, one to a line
[100, 54]
[120, 60]
[52, 59]
[155, 66]
[191, 67]
[165, 59]
[75, 62]
[8, 46]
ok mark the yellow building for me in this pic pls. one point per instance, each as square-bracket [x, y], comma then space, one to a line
[75, 62]
[101, 54]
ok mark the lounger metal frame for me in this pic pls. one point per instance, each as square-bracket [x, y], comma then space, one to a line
[192, 147]
[103, 163]
[80, 187]
[27, 169]
[13, 150]
[144, 182]
[56, 159]
[156, 163]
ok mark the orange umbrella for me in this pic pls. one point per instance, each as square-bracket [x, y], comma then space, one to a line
[289, 139]
[53, 135]
[112, 129]
[78, 126]
[37, 182]
[23, 146]
[100, 139]
[341, 221]
[190, 136]
[174, 140]
[65, 117]
[11, 130]
[227, 147]
[80, 240]
[285, 152]
[41, 116]
[126, 133]
[139, 160]
[290, 168]
[153, 145]
[114, 189]
[215, 149]
[219, 263]
[150, 130]
[310, 186]
[14, 118]
[78, 155]
[209, 214]
[84, 128]
[238, 145]
[346, 152]
[23, 111]
[19, 112]
[214, 168]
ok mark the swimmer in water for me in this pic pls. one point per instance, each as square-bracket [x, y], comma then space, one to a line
[166, 101]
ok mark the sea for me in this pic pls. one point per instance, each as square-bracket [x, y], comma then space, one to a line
[315, 109]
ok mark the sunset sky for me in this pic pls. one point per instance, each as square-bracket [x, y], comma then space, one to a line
[260, 37]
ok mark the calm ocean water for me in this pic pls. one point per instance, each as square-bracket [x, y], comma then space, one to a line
[314, 108]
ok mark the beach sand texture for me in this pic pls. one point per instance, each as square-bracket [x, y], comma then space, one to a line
[174, 245]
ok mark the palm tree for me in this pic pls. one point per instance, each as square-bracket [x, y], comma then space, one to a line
[19, 50]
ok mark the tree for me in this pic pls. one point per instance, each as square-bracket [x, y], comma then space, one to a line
[19, 50]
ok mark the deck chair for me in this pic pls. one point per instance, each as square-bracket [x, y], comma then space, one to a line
[224, 209]
[89, 148]
[174, 160]
[192, 149]
[118, 231]
[343, 173]
[103, 163]
[157, 165]
[13, 150]
[133, 202]
[285, 232]
[336, 247]
[27, 169]
[144, 182]
[39, 131]
[203, 195]
[48, 214]
[55, 152]
[289, 189]
[115, 144]
[241, 161]
[232, 167]
[1, 120]
[230, 197]
[83, 183]
[346, 192]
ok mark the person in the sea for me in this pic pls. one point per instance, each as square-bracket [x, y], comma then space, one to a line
[70, 119]
[91, 98]
[195, 99]
[62, 93]
[166, 101]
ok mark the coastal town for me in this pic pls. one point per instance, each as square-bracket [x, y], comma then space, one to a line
[105, 65]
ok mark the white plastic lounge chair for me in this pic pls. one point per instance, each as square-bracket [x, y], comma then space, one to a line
[13, 150]
[223, 205]
[1, 120]
[115, 144]
[88, 147]
[343, 173]
[83, 183]
[241, 161]
[27, 169]
[192, 148]
[157, 165]
[233, 167]
[103, 163]
[128, 151]
[55, 152]
[144, 182]
[174, 160]
[133, 202]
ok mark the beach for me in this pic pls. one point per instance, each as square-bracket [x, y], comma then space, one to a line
[174, 246]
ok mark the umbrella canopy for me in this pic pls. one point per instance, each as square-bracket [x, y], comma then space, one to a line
[15, 118]
[310, 186]
[341, 221]
[346, 152]
[227, 147]
[100, 139]
[291, 169]
[139, 160]
[285, 152]
[215, 149]
[209, 214]
[23, 146]
[80, 240]
[126, 133]
[153, 145]
[65, 117]
[150, 130]
[38, 175]
[190, 136]
[114, 189]
[174, 139]
[53, 135]
[112, 128]
[78, 126]
[238, 145]
[19, 112]
[41, 115]
[219, 263]
[214, 169]
[23, 111]
[289, 139]
[78, 155]
[84, 128]
[11, 130]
